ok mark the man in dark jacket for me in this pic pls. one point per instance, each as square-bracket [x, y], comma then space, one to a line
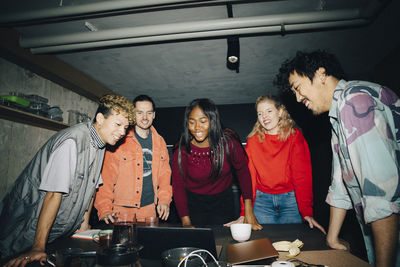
[53, 196]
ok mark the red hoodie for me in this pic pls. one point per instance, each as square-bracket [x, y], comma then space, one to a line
[278, 167]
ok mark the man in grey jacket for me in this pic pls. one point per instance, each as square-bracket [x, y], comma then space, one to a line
[53, 196]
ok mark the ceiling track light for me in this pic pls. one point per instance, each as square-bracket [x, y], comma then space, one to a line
[232, 58]
[233, 55]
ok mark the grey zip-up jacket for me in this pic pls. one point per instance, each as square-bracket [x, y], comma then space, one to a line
[22, 204]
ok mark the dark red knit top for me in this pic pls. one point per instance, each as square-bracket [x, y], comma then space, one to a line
[196, 167]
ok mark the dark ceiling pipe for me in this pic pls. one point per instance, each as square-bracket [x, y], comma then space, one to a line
[101, 8]
[195, 35]
[191, 27]
[306, 21]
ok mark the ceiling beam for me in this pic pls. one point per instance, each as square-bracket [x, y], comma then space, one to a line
[96, 8]
[217, 28]
[195, 35]
[191, 27]
[49, 67]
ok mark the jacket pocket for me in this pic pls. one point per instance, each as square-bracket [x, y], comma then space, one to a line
[127, 165]
[127, 158]
[161, 163]
[76, 186]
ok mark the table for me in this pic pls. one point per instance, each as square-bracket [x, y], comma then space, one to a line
[331, 258]
[314, 251]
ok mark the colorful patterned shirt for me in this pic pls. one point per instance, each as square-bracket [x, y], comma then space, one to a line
[365, 120]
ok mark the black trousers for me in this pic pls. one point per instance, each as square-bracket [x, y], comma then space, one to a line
[206, 210]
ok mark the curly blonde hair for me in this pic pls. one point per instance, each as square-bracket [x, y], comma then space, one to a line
[286, 125]
[120, 104]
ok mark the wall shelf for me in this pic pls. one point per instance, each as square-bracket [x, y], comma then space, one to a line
[16, 115]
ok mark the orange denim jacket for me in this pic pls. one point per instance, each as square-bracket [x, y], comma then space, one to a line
[122, 174]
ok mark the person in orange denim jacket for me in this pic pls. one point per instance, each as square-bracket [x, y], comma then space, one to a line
[136, 175]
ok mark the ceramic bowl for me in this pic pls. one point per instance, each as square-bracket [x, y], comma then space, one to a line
[241, 231]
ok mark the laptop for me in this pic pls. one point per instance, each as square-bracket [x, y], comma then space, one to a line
[156, 240]
[258, 251]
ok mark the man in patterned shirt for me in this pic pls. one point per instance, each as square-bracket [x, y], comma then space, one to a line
[365, 119]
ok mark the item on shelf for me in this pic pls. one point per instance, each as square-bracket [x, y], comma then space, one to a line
[37, 99]
[16, 100]
[75, 117]
[55, 113]
[34, 104]
[15, 115]
[39, 108]
[17, 94]
[85, 118]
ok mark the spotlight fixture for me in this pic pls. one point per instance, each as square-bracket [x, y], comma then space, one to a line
[232, 58]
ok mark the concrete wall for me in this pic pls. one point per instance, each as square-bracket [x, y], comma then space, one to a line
[19, 142]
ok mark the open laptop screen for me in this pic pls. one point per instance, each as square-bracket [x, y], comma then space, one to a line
[156, 240]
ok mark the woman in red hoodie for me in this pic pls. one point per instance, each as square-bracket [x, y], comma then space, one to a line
[280, 167]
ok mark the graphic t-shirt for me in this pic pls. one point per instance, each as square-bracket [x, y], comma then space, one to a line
[147, 188]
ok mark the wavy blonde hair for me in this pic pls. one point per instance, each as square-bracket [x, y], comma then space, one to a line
[120, 104]
[286, 125]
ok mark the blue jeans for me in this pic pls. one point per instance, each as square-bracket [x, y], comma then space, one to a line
[276, 208]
